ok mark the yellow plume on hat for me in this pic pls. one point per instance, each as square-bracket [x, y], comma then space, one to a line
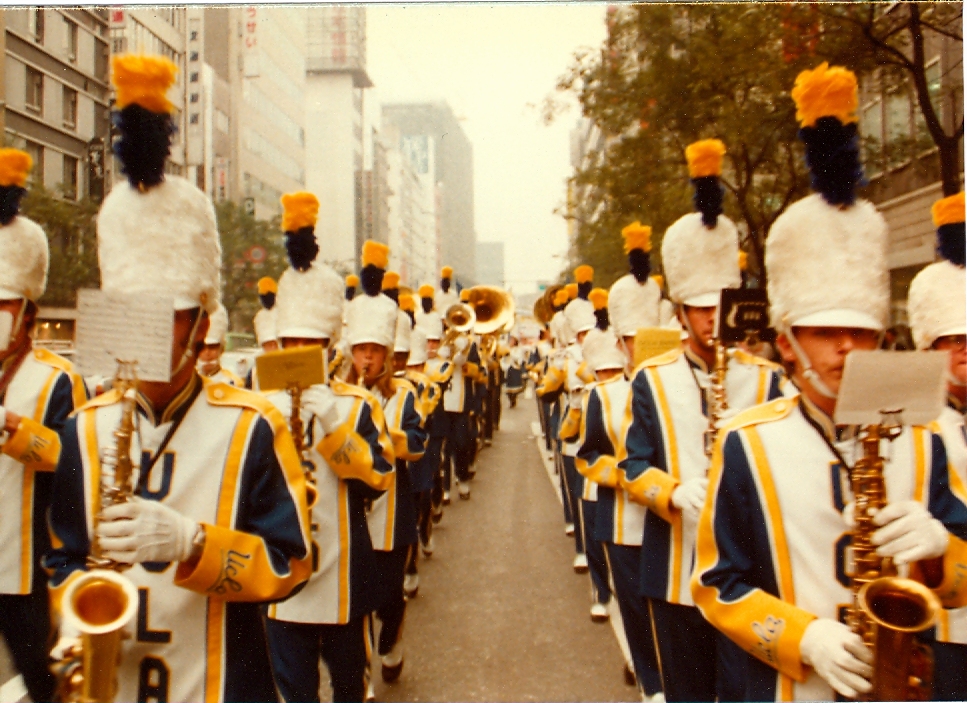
[949, 210]
[825, 92]
[426, 291]
[352, 281]
[705, 158]
[464, 295]
[14, 167]
[560, 297]
[583, 274]
[743, 260]
[268, 285]
[143, 80]
[407, 303]
[659, 279]
[299, 210]
[446, 272]
[572, 290]
[637, 236]
[599, 298]
[376, 254]
[391, 280]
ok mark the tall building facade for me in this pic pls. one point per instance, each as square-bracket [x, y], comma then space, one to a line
[453, 166]
[56, 94]
[335, 82]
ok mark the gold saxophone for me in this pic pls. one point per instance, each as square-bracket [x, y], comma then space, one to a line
[887, 611]
[715, 397]
[101, 602]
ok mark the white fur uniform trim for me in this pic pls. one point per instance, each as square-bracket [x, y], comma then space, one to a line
[404, 330]
[162, 241]
[633, 305]
[371, 319]
[309, 301]
[217, 326]
[600, 350]
[264, 323]
[937, 306]
[24, 258]
[698, 261]
[431, 323]
[417, 347]
[579, 315]
[820, 258]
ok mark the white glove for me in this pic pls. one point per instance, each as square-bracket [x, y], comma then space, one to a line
[321, 402]
[443, 352]
[461, 343]
[909, 533]
[145, 530]
[70, 636]
[689, 497]
[838, 655]
[460, 359]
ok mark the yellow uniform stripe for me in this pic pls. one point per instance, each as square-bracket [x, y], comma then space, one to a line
[919, 441]
[672, 453]
[343, 493]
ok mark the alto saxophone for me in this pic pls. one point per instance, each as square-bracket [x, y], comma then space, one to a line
[715, 397]
[886, 611]
[101, 602]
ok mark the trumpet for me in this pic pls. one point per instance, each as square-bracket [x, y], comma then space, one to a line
[101, 602]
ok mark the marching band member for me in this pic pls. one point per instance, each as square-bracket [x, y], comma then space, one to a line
[440, 373]
[666, 465]
[229, 528]
[937, 311]
[550, 390]
[264, 321]
[774, 532]
[352, 283]
[350, 456]
[38, 390]
[445, 297]
[634, 301]
[512, 365]
[208, 358]
[460, 409]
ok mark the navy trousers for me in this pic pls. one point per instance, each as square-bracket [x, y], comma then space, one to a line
[624, 562]
[297, 647]
[459, 447]
[570, 480]
[950, 671]
[25, 625]
[597, 563]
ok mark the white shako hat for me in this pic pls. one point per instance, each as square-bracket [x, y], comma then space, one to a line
[372, 317]
[417, 347]
[310, 297]
[600, 351]
[404, 330]
[579, 317]
[431, 323]
[700, 251]
[937, 305]
[826, 254]
[155, 233]
[24, 252]
[634, 299]
[264, 323]
[217, 326]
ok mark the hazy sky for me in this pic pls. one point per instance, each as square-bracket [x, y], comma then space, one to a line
[494, 65]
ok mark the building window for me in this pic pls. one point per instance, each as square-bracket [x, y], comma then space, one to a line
[35, 91]
[71, 41]
[70, 108]
[36, 20]
[36, 152]
[70, 177]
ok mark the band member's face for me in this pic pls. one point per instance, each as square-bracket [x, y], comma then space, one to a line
[271, 345]
[295, 342]
[579, 338]
[18, 336]
[956, 344]
[208, 358]
[182, 339]
[399, 361]
[432, 345]
[369, 359]
[701, 322]
[627, 345]
[826, 348]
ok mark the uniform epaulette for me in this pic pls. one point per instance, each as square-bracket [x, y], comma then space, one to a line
[759, 414]
[99, 401]
[45, 356]
[746, 358]
[219, 393]
[343, 388]
[404, 383]
[666, 358]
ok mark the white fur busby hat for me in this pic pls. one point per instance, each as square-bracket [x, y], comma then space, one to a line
[633, 305]
[431, 323]
[600, 351]
[264, 323]
[579, 316]
[24, 253]
[417, 347]
[217, 326]
[404, 330]
[371, 318]
[937, 305]
[826, 254]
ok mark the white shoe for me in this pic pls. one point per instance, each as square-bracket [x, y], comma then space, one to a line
[657, 698]
[569, 528]
[580, 563]
[392, 663]
[411, 585]
[464, 490]
[446, 498]
[370, 692]
[599, 612]
[428, 547]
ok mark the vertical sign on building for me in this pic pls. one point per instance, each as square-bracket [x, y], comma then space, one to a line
[118, 24]
[195, 97]
[250, 41]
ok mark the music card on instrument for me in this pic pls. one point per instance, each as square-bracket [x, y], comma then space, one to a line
[112, 327]
[875, 382]
[743, 316]
[300, 367]
[652, 341]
